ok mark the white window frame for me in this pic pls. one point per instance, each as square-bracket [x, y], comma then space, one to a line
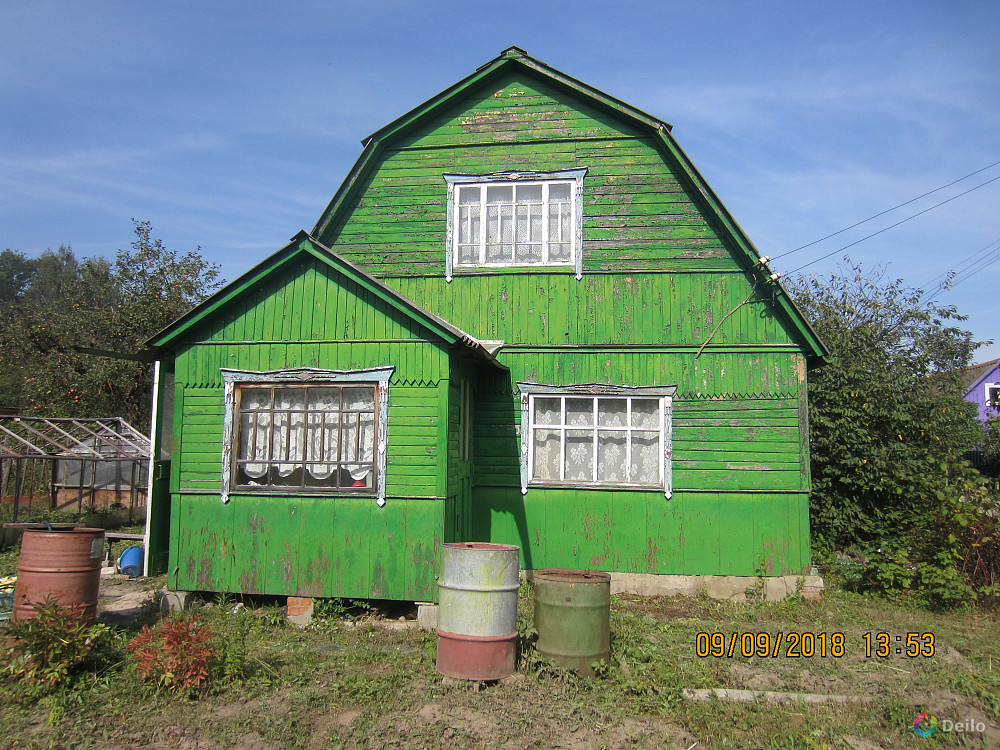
[991, 389]
[571, 177]
[532, 391]
[377, 377]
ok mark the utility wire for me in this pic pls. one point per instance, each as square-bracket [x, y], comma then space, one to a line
[969, 260]
[975, 271]
[957, 277]
[888, 210]
[891, 226]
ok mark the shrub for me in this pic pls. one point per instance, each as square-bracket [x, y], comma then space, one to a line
[174, 654]
[46, 651]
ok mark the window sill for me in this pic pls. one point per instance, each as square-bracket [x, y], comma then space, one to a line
[591, 486]
[301, 492]
[489, 270]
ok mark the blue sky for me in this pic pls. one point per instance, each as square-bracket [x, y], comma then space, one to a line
[230, 125]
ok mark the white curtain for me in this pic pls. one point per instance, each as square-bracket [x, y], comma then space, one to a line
[570, 436]
[255, 427]
[646, 446]
[322, 432]
[287, 444]
[548, 413]
[341, 432]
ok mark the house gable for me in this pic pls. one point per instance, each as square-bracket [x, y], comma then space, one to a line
[979, 382]
[646, 209]
[307, 293]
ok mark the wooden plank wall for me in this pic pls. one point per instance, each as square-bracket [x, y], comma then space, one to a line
[328, 546]
[609, 309]
[639, 214]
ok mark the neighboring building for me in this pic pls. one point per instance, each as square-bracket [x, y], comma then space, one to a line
[523, 318]
[982, 387]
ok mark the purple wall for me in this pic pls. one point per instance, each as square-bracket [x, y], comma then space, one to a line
[977, 392]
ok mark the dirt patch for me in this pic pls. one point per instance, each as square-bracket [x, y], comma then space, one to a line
[330, 725]
[122, 600]
[663, 607]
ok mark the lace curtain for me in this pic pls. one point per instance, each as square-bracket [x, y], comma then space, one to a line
[598, 435]
[515, 217]
[318, 430]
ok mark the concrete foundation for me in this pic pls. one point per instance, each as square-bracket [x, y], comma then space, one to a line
[427, 616]
[736, 588]
[176, 601]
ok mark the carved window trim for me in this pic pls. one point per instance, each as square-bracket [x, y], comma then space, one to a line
[530, 392]
[377, 378]
[573, 178]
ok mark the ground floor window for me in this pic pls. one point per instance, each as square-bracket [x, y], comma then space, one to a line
[596, 435]
[306, 436]
[306, 430]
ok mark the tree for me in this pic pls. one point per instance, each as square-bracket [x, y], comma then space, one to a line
[887, 419]
[66, 309]
[16, 272]
[888, 430]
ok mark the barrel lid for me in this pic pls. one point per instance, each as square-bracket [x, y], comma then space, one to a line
[61, 529]
[482, 545]
[566, 575]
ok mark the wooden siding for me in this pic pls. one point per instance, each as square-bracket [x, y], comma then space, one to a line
[639, 213]
[740, 471]
[719, 533]
[664, 274]
[754, 445]
[733, 374]
[343, 546]
[310, 316]
[655, 309]
[309, 301]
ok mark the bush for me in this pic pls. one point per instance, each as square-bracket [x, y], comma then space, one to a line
[45, 652]
[174, 654]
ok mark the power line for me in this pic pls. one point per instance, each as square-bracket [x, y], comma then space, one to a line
[888, 210]
[956, 277]
[968, 260]
[892, 226]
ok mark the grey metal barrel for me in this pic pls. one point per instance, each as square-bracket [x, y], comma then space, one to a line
[477, 615]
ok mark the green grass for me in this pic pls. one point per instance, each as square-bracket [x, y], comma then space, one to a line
[355, 684]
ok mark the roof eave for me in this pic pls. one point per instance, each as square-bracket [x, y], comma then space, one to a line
[815, 345]
[303, 242]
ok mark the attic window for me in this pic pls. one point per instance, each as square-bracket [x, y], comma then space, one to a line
[515, 219]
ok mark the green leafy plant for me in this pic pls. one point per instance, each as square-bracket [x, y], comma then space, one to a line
[175, 654]
[45, 651]
[230, 643]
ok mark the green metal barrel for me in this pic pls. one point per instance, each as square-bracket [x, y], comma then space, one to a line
[573, 617]
[477, 612]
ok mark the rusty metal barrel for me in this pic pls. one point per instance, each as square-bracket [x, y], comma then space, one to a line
[477, 612]
[573, 617]
[62, 563]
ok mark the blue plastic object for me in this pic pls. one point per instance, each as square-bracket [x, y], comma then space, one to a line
[130, 562]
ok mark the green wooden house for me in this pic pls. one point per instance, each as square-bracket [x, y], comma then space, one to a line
[524, 318]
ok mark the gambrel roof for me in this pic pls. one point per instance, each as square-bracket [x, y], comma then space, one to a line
[303, 244]
[515, 59]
